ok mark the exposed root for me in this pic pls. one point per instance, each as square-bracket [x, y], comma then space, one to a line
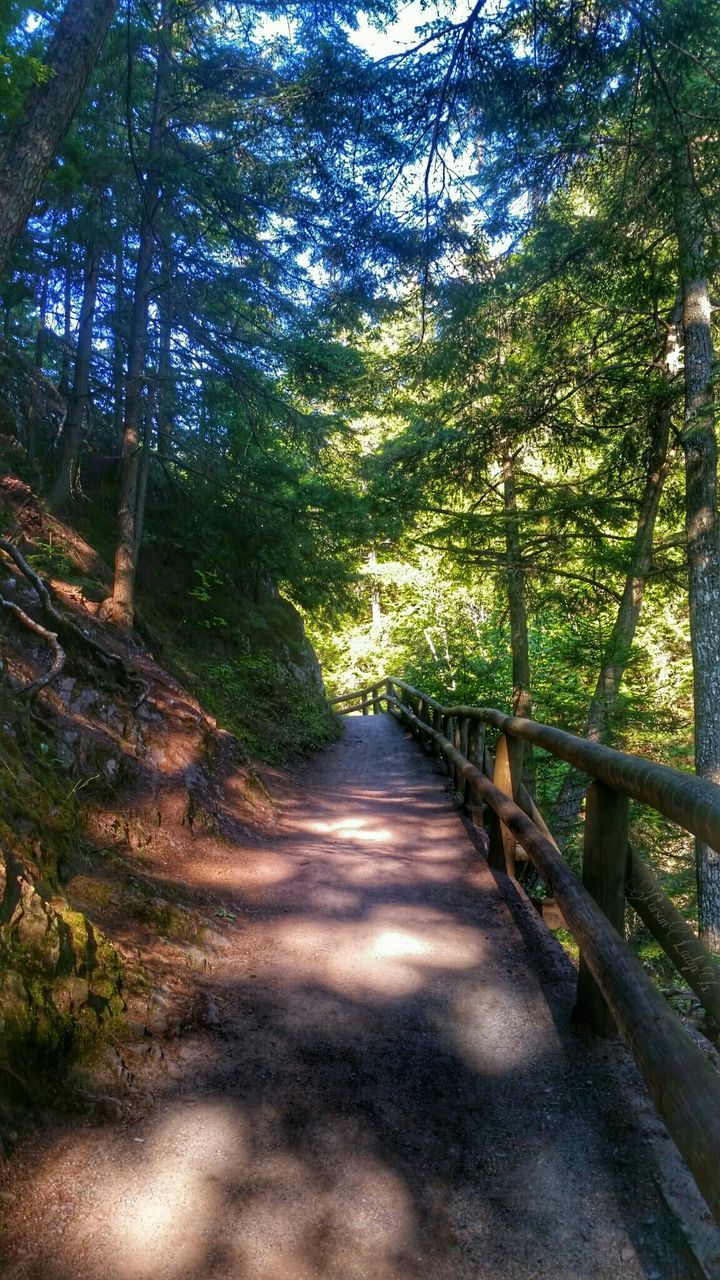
[31, 690]
[63, 622]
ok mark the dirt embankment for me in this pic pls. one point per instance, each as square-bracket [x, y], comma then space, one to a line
[109, 780]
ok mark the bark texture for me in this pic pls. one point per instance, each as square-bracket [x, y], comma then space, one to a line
[701, 518]
[80, 397]
[33, 142]
[132, 486]
[517, 603]
[166, 382]
[517, 607]
[118, 354]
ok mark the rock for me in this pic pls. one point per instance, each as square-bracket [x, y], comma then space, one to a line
[66, 748]
[109, 1107]
[111, 769]
[85, 700]
[158, 1018]
[197, 960]
[194, 776]
[70, 994]
[13, 996]
[112, 717]
[155, 1052]
[117, 1065]
[213, 1016]
[30, 916]
[65, 688]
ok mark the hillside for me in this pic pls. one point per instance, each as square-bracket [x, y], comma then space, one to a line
[138, 762]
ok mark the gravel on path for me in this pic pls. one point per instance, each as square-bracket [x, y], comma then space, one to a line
[391, 1089]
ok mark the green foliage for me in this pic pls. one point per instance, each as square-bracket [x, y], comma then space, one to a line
[260, 698]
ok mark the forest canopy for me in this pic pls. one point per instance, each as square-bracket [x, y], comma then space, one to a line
[408, 314]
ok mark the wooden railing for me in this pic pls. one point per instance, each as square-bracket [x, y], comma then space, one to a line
[614, 990]
[365, 700]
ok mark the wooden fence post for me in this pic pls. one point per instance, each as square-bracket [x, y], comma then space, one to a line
[507, 777]
[604, 871]
[457, 739]
[447, 732]
[437, 722]
[474, 752]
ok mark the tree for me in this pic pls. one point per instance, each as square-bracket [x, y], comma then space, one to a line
[136, 437]
[79, 401]
[33, 141]
[541, 89]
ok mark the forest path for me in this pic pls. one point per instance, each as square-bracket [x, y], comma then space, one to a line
[391, 1091]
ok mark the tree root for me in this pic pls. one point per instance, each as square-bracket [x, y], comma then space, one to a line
[64, 624]
[31, 690]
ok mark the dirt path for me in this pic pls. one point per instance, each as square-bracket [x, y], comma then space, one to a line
[389, 1091]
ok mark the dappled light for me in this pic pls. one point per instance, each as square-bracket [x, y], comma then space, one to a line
[387, 1093]
[349, 829]
[359, 640]
[172, 1175]
[375, 955]
[391, 942]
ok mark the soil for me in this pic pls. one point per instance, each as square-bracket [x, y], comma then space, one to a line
[381, 1083]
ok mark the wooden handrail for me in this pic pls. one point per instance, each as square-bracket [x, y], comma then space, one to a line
[361, 699]
[357, 695]
[680, 1078]
[694, 803]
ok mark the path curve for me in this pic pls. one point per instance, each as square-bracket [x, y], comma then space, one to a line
[391, 1091]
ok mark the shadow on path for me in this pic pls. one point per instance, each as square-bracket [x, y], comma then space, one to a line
[390, 1091]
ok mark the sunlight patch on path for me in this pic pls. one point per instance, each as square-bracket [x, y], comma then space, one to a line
[395, 951]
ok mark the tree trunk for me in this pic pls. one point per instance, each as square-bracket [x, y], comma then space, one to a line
[122, 607]
[41, 337]
[599, 719]
[375, 606]
[118, 354]
[65, 357]
[42, 326]
[521, 696]
[144, 470]
[79, 399]
[166, 383]
[701, 518]
[31, 146]
[517, 604]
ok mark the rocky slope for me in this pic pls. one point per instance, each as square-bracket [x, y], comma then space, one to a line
[109, 780]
